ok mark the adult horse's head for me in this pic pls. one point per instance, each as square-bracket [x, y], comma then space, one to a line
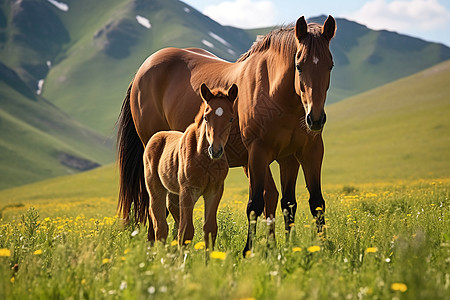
[313, 62]
[218, 116]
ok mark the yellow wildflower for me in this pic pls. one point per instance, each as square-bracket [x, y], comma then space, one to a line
[106, 261]
[126, 251]
[37, 252]
[292, 225]
[12, 280]
[248, 253]
[398, 286]
[5, 252]
[319, 208]
[83, 281]
[296, 249]
[313, 249]
[174, 243]
[199, 246]
[371, 250]
[187, 242]
[218, 255]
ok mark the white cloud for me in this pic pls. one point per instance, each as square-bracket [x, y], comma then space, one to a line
[402, 15]
[243, 13]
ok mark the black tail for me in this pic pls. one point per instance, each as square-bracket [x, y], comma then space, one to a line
[130, 152]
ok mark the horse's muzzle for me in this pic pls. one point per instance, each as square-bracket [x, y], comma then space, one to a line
[215, 155]
[316, 125]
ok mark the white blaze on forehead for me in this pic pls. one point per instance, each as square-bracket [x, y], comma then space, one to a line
[315, 60]
[219, 111]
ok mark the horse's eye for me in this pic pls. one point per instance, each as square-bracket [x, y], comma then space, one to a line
[204, 118]
[231, 120]
[298, 68]
[332, 66]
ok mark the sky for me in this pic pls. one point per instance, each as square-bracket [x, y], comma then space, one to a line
[425, 19]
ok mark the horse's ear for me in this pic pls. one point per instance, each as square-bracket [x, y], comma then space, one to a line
[205, 93]
[301, 28]
[232, 92]
[329, 28]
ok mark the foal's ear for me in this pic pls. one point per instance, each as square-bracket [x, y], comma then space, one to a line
[232, 92]
[205, 93]
[301, 28]
[329, 28]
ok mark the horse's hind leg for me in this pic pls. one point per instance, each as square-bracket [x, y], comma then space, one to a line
[151, 230]
[289, 167]
[270, 201]
[173, 204]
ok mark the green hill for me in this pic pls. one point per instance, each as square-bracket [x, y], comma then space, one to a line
[398, 131]
[38, 140]
[81, 55]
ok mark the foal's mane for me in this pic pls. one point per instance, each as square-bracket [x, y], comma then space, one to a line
[217, 93]
[283, 40]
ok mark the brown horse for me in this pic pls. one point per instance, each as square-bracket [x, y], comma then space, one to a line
[188, 165]
[283, 80]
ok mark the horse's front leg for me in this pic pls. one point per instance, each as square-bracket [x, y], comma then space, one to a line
[289, 167]
[311, 157]
[186, 226]
[212, 198]
[270, 201]
[259, 159]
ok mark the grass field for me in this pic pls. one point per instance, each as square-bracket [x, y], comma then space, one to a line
[387, 235]
[384, 240]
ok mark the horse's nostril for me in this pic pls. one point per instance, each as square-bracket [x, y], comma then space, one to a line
[309, 120]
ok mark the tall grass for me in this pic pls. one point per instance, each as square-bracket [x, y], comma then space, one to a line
[381, 241]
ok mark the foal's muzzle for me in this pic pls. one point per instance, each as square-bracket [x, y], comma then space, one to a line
[215, 155]
[316, 125]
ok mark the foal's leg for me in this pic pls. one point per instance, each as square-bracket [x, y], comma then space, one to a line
[173, 204]
[212, 198]
[157, 208]
[186, 229]
[311, 160]
[289, 167]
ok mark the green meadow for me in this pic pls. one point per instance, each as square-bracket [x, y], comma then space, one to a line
[386, 185]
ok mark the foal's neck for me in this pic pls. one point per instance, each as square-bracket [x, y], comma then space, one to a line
[202, 142]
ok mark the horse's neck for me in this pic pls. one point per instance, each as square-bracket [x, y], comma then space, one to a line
[279, 71]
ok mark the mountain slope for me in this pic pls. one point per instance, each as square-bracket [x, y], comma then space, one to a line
[80, 55]
[38, 140]
[113, 49]
[397, 131]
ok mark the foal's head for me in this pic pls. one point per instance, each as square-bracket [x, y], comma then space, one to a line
[217, 117]
[313, 62]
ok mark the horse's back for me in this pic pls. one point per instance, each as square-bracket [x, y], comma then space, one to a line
[164, 95]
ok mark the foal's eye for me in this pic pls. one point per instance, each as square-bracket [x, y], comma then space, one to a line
[298, 68]
[332, 66]
[204, 118]
[231, 120]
